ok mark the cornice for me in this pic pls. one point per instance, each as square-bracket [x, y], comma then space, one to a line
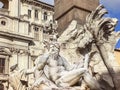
[4, 77]
[39, 4]
[21, 20]
[18, 36]
[39, 25]
[19, 51]
[14, 18]
[12, 46]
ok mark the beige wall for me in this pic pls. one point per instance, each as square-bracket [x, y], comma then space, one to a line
[117, 55]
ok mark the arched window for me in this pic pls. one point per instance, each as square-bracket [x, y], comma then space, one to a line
[36, 33]
[3, 23]
[4, 3]
[1, 87]
[1, 4]
[45, 16]
[36, 14]
[2, 66]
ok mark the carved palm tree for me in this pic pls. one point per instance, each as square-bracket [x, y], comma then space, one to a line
[102, 29]
[98, 30]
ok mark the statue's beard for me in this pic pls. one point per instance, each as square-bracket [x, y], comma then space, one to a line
[54, 55]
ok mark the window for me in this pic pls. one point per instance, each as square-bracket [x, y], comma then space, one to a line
[2, 65]
[1, 4]
[3, 23]
[36, 33]
[36, 14]
[1, 86]
[4, 4]
[45, 16]
[29, 13]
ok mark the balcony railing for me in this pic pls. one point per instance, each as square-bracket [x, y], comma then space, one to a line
[4, 77]
[4, 11]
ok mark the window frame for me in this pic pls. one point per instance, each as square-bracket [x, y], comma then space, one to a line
[2, 65]
[29, 13]
[6, 58]
[36, 14]
[36, 33]
[45, 16]
[1, 86]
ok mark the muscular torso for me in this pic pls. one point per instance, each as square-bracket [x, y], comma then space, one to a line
[55, 67]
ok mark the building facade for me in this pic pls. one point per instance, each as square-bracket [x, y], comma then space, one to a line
[117, 55]
[22, 31]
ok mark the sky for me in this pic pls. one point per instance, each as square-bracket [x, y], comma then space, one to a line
[113, 7]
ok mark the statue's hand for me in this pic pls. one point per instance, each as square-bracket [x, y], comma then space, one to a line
[29, 71]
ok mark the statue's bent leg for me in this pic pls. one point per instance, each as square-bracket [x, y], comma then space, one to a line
[71, 77]
[91, 82]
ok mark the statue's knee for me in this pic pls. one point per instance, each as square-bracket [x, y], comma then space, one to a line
[60, 83]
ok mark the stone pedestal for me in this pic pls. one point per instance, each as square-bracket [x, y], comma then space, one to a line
[67, 10]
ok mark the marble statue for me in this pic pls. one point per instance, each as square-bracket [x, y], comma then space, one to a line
[59, 72]
[17, 78]
[96, 36]
[80, 59]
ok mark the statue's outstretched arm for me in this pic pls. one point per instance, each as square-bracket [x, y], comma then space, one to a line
[86, 61]
[66, 64]
[39, 64]
[42, 61]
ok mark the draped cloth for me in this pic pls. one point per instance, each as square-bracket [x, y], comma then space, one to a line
[18, 80]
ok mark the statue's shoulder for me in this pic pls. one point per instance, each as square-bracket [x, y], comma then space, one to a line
[61, 58]
[41, 58]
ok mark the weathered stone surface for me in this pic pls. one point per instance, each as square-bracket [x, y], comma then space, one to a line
[66, 11]
[61, 88]
[63, 6]
[98, 37]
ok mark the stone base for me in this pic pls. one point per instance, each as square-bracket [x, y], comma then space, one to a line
[61, 88]
[71, 88]
[67, 10]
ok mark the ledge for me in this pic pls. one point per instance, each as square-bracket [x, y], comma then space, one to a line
[4, 11]
[39, 3]
[4, 77]
[18, 36]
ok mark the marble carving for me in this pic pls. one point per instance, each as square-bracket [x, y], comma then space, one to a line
[79, 57]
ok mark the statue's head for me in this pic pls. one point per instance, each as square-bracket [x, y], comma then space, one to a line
[54, 48]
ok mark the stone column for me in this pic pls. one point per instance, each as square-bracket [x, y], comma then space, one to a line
[67, 10]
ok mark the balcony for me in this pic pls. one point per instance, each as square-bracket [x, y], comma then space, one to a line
[4, 77]
[4, 11]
